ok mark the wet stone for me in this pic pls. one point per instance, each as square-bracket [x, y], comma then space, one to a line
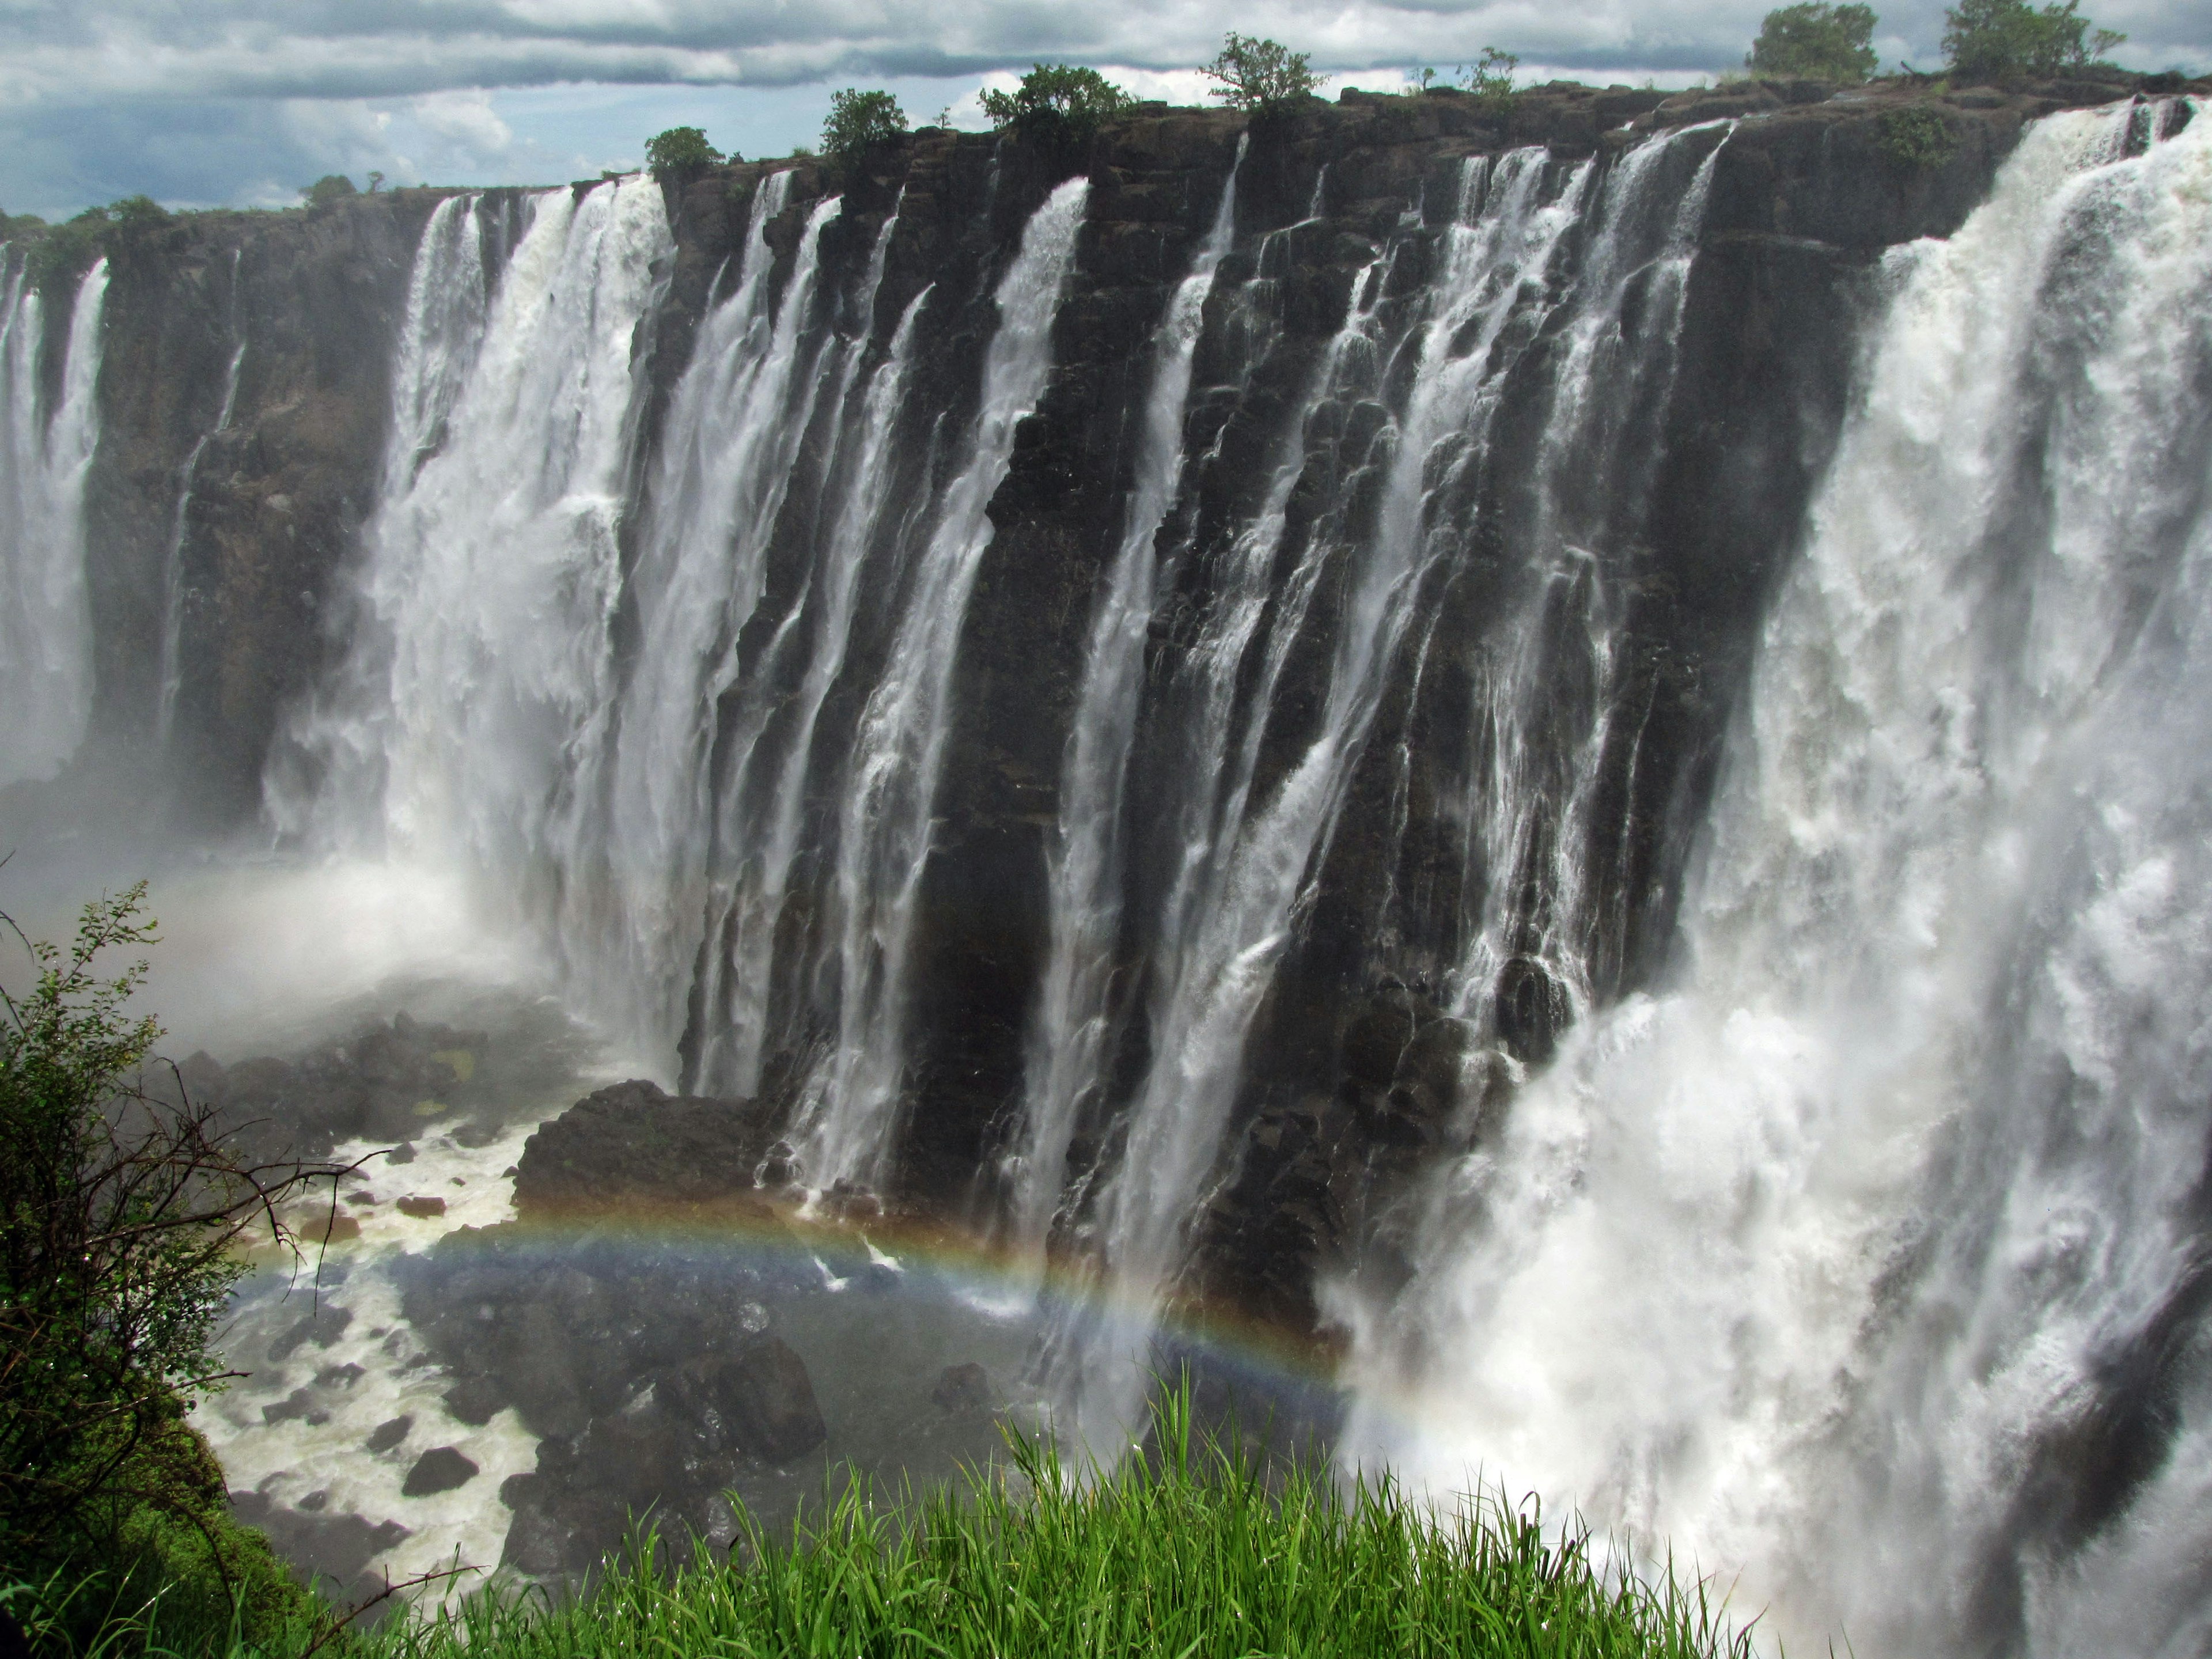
[442, 1468]
[962, 1388]
[474, 1400]
[389, 1433]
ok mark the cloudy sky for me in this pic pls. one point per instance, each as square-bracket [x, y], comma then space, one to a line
[203, 102]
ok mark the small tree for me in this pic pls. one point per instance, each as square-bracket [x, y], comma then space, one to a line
[1056, 103]
[2010, 37]
[1815, 41]
[1491, 80]
[331, 187]
[139, 213]
[121, 1215]
[679, 153]
[859, 121]
[1260, 77]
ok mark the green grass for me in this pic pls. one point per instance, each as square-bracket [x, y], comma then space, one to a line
[1198, 1552]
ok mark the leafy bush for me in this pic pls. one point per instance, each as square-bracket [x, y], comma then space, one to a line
[1915, 137]
[679, 153]
[859, 121]
[1260, 77]
[1057, 103]
[1814, 41]
[156, 1563]
[2010, 37]
[1491, 80]
[121, 1216]
[139, 213]
[331, 187]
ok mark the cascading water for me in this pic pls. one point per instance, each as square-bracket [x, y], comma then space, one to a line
[763, 842]
[1871, 1258]
[883, 836]
[1069, 1031]
[483, 672]
[171, 665]
[1244, 858]
[45, 628]
[738, 416]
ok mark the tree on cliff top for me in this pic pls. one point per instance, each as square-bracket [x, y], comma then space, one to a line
[1261, 78]
[1057, 103]
[679, 153]
[859, 121]
[2010, 37]
[331, 187]
[122, 1216]
[1814, 41]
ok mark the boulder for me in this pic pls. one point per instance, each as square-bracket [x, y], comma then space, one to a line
[634, 1144]
[441, 1468]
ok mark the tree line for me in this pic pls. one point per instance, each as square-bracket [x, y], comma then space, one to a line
[1832, 41]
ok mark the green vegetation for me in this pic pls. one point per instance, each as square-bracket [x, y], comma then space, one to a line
[1991, 38]
[1197, 1551]
[1056, 103]
[1814, 42]
[679, 153]
[1491, 80]
[122, 1218]
[1261, 78]
[331, 187]
[1916, 139]
[859, 121]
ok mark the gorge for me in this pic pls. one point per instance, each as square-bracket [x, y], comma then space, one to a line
[1537, 756]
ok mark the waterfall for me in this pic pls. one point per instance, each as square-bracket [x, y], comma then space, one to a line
[733, 430]
[467, 725]
[1870, 1258]
[171, 668]
[1247, 850]
[884, 832]
[46, 626]
[749, 904]
[1068, 1036]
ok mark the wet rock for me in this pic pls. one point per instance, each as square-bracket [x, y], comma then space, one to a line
[442, 1468]
[389, 1433]
[962, 1388]
[299, 1405]
[420, 1208]
[322, 1327]
[760, 1397]
[403, 1153]
[633, 1144]
[474, 1401]
[1532, 1010]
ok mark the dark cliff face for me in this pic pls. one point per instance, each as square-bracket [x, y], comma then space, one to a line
[259, 515]
[1354, 1070]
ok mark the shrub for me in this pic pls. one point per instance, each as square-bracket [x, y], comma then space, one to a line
[1814, 41]
[859, 121]
[1491, 80]
[1260, 77]
[1057, 103]
[331, 187]
[2010, 37]
[157, 1564]
[1915, 137]
[139, 213]
[679, 153]
[121, 1215]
